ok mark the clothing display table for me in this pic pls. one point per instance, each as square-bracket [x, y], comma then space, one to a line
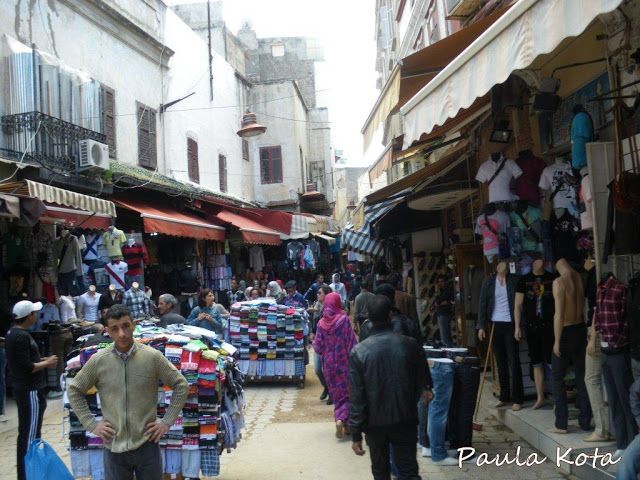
[271, 340]
[210, 421]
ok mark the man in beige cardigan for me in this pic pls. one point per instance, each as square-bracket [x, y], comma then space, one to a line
[127, 376]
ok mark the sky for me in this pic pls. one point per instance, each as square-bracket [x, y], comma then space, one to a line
[347, 76]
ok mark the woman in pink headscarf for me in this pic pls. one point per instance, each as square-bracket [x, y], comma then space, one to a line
[333, 341]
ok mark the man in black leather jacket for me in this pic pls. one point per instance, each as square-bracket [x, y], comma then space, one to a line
[401, 324]
[388, 374]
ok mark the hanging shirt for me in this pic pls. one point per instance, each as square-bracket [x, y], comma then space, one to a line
[499, 221]
[13, 246]
[89, 305]
[551, 177]
[116, 271]
[93, 243]
[114, 240]
[39, 246]
[71, 261]
[527, 184]
[136, 302]
[256, 258]
[531, 235]
[586, 218]
[67, 309]
[611, 318]
[136, 257]
[501, 306]
[581, 134]
[538, 306]
[49, 313]
[499, 189]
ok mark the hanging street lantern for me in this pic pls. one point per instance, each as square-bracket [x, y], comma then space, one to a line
[250, 126]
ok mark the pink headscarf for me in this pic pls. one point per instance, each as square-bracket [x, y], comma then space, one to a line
[332, 310]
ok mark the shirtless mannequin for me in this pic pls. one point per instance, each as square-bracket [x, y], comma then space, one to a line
[570, 345]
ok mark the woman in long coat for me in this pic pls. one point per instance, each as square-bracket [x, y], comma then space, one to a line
[333, 341]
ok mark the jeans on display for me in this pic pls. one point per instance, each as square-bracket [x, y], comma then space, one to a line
[616, 371]
[507, 355]
[442, 376]
[629, 466]
[593, 382]
[31, 406]
[403, 444]
[466, 381]
[3, 378]
[65, 282]
[129, 279]
[573, 347]
[317, 364]
[61, 346]
[444, 323]
[145, 462]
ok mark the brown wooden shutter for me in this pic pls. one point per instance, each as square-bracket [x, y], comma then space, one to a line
[192, 160]
[147, 150]
[222, 168]
[109, 118]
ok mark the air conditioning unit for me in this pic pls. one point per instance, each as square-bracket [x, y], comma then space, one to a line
[93, 156]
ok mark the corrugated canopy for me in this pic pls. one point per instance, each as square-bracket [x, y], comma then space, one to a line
[169, 221]
[360, 239]
[419, 69]
[527, 30]
[60, 196]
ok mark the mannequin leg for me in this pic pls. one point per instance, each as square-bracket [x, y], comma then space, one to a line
[500, 351]
[579, 340]
[593, 383]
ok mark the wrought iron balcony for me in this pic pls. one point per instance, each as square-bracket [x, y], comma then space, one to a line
[44, 140]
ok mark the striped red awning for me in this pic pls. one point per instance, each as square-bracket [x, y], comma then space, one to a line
[252, 231]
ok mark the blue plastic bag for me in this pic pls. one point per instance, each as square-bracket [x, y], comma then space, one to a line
[42, 463]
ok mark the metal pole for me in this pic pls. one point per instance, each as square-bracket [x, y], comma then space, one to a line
[210, 56]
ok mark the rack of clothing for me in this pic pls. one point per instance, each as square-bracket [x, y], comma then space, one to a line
[271, 340]
[217, 271]
[210, 421]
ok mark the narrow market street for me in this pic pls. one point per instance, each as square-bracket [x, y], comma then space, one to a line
[290, 435]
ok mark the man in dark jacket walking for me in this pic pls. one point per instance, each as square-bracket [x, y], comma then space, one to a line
[497, 300]
[383, 399]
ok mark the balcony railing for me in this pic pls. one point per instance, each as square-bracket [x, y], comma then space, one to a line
[44, 140]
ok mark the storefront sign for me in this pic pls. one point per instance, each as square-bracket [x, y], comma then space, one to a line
[555, 128]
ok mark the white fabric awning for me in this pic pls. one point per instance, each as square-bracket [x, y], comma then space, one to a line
[529, 29]
[50, 194]
[299, 228]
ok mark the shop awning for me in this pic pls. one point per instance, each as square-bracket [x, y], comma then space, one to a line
[417, 70]
[169, 221]
[252, 232]
[408, 183]
[73, 217]
[528, 29]
[360, 239]
[299, 228]
[329, 239]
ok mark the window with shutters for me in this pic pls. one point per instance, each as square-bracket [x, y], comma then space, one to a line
[271, 164]
[245, 149]
[108, 117]
[192, 160]
[222, 169]
[147, 149]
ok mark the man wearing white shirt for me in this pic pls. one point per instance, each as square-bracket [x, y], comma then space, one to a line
[88, 305]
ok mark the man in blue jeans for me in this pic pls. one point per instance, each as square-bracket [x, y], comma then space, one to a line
[382, 398]
[629, 466]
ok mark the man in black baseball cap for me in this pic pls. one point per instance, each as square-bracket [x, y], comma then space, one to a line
[29, 381]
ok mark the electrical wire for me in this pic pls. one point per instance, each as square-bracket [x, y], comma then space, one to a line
[23, 154]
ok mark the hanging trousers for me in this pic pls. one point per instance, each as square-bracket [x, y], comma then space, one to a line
[31, 406]
[573, 345]
[507, 353]
[616, 371]
[466, 381]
